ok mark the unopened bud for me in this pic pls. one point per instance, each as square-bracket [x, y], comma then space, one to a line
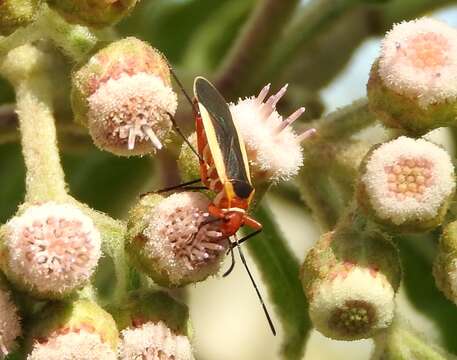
[50, 249]
[123, 95]
[79, 331]
[97, 13]
[170, 240]
[350, 280]
[406, 184]
[412, 84]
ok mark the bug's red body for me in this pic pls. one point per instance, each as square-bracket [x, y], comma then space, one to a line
[229, 207]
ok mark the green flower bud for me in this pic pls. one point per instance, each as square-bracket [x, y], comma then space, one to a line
[123, 95]
[445, 264]
[412, 84]
[350, 278]
[80, 330]
[154, 326]
[166, 239]
[17, 13]
[50, 250]
[97, 13]
[406, 184]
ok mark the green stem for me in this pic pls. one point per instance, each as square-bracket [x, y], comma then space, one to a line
[256, 41]
[26, 68]
[20, 37]
[316, 17]
[76, 41]
[344, 122]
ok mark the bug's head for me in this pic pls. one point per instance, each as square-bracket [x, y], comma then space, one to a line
[243, 190]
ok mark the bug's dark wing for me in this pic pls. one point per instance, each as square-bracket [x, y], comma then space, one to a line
[224, 128]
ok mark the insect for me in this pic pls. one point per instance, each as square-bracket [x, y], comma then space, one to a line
[224, 169]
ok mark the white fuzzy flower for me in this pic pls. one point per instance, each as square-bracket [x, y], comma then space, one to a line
[419, 60]
[352, 305]
[52, 248]
[408, 180]
[273, 147]
[81, 345]
[153, 341]
[129, 114]
[177, 243]
[10, 327]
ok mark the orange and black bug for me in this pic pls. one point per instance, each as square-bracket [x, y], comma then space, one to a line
[224, 168]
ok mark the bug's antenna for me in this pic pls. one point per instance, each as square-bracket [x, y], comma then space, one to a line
[178, 130]
[243, 260]
[181, 87]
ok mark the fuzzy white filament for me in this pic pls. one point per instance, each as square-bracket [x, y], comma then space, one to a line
[153, 341]
[81, 345]
[132, 109]
[178, 240]
[273, 147]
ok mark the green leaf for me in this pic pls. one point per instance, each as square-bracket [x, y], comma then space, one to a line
[280, 271]
[422, 291]
[12, 182]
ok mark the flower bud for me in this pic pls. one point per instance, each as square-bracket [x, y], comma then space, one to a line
[154, 326]
[93, 13]
[50, 249]
[445, 264]
[124, 96]
[10, 326]
[272, 146]
[350, 279]
[412, 84]
[168, 240]
[79, 331]
[17, 13]
[406, 184]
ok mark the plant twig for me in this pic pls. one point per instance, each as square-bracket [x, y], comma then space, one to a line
[254, 43]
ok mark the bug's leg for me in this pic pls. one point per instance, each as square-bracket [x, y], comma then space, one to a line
[232, 264]
[247, 237]
[243, 260]
[172, 187]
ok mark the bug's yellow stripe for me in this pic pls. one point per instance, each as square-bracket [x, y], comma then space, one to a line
[243, 152]
[213, 145]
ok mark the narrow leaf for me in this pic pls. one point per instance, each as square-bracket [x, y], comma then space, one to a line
[280, 271]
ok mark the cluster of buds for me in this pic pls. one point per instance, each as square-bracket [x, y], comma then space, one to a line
[10, 322]
[169, 240]
[412, 84]
[350, 278]
[123, 95]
